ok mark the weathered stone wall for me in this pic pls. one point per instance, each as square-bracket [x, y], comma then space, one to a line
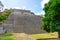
[9, 23]
[2, 30]
[23, 21]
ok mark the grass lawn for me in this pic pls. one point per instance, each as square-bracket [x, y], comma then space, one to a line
[45, 35]
[11, 36]
[6, 36]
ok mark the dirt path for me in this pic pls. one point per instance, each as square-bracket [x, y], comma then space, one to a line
[22, 36]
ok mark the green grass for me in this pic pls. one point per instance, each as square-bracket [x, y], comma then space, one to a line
[45, 35]
[6, 36]
[10, 36]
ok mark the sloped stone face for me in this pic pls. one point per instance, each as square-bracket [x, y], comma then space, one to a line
[9, 23]
[2, 30]
[23, 21]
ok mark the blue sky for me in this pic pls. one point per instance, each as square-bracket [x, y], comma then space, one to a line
[35, 6]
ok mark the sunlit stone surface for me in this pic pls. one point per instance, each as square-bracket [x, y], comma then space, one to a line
[23, 21]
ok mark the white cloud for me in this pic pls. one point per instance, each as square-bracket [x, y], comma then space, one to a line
[17, 8]
[6, 7]
[40, 13]
[1, 0]
[20, 7]
[24, 7]
[43, 2]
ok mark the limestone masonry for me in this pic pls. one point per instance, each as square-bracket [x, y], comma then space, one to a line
[23, 21]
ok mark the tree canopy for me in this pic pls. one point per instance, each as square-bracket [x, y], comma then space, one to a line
[4, 15]
[51, 21]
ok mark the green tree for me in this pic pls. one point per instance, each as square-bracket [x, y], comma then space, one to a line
[4, 15]
[51, 21]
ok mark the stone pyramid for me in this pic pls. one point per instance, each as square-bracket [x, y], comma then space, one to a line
[23, 21]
